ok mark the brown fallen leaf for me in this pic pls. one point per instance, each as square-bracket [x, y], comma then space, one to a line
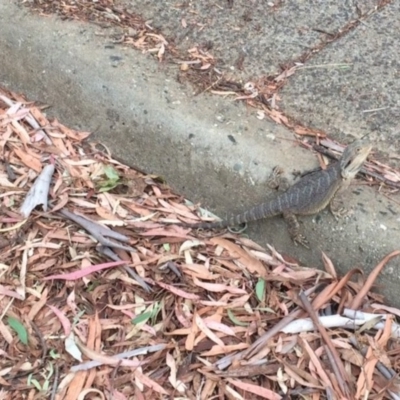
[249, 262]
[28, 159]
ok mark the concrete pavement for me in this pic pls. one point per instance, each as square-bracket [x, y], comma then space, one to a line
[211, 148]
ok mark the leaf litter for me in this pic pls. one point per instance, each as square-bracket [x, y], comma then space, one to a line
[101, 295]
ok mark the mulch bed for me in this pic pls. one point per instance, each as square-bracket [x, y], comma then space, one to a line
[103, 296]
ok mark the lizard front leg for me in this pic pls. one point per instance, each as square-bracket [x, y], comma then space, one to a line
[277, 181]
[338, 208]
[294, 229]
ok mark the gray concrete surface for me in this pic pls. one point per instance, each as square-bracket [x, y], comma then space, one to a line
[363, 98]
[266, 34]
[154, 123]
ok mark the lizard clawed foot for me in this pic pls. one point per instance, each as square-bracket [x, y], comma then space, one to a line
[301, 239]
[341, 212]
[294, 230]
[277, 181]
[338, 208]
[240, 229]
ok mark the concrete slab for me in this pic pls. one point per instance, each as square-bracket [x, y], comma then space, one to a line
[363, 98]
[249, 38]
[209, 149]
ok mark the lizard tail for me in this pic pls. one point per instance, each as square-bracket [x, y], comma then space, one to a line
[256, 213]
[207, 225]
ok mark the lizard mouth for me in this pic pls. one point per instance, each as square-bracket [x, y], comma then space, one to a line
[355, 163]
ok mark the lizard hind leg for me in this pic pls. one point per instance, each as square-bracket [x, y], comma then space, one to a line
[277, 181]
[294, 229]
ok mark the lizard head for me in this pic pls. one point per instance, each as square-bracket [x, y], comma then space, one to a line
[353, 158]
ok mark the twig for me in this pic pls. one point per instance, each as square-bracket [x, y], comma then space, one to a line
[333, 355]
[388, 373]
[55, 382]
[371, 279]
[375, 109]
[41, 338]
[324, 65]
[99, 232]
[110, 254]
[210, 86]
[126, 354]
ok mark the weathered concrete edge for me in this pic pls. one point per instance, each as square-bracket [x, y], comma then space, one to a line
[152, 122]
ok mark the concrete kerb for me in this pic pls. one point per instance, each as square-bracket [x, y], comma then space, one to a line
[152, 122]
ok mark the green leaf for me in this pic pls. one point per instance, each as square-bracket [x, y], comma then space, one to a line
[19, 329]
[142, 318]
[111, 173]
[50, 368]
[54, 354]
[31, 381]
[107, 186]
[93, 285]
[112, 180]
[167, 247]
[232, 317]
[260, 290]
[46, 386]
[36, 384]
[155, 311]
[77, 317]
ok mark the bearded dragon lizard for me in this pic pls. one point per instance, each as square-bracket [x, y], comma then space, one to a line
[310, 195]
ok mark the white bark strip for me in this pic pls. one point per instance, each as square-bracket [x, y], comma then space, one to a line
[39, 192]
